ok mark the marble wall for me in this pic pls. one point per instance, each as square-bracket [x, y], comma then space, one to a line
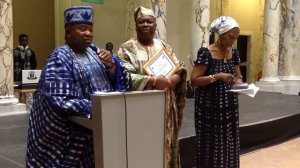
[130, 24]
[160, 12]
[281, 70]
[6, 46]
[200, 20]
[271, 40]
[290, 40]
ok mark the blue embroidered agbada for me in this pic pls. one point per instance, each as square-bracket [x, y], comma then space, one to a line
[64, 89]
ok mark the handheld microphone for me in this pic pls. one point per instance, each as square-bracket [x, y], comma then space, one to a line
[95, 48]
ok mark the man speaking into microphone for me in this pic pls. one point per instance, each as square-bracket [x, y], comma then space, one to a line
[72, 73]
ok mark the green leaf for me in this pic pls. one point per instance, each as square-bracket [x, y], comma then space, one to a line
[94, 1]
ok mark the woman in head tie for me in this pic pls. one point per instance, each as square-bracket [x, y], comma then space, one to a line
[135, 53]
[216, 108]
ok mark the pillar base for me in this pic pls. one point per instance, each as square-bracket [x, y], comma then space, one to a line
[8, 100]
[269, 79]
[11, 106]
[291, 87]
[268, 86]
[16, 109]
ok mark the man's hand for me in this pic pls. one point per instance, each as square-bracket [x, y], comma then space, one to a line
[105, 57]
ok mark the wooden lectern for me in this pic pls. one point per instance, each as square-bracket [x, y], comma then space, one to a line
[128, 129]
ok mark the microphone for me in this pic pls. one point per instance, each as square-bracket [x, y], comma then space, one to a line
[95, 48]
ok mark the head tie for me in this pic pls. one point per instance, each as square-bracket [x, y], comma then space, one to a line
[142, 11]
[223, 24]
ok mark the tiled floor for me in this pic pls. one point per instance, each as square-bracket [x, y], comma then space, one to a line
[283, 155]
[13, 135]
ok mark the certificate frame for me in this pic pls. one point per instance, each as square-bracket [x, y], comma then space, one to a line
[161, 63]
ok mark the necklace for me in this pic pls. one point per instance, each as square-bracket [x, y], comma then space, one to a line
[227, 54]
[225, 58]
[224, 53]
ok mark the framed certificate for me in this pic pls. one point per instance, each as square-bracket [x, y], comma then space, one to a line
[161, 64]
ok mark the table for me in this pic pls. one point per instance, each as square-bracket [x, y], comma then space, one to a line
[22, 92]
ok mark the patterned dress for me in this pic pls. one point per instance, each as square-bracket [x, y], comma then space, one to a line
[64, 89]
[135, 56]
[217, 116]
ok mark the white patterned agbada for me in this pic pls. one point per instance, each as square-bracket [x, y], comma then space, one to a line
[135, 56]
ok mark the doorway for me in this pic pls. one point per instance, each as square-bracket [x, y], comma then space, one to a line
[242, 46]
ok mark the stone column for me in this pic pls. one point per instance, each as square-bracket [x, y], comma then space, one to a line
[130, 25]
[289, 47]
[6, 44]
[159, 9]
[7, 99]
[199, 26]
[270, 81]
[271, 41]
[290, 40]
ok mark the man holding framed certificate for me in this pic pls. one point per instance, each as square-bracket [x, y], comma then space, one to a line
[153, 65]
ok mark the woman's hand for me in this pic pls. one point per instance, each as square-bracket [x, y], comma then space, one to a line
[225, 77]
[162, 82]
[174, 79]
[238, 80]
